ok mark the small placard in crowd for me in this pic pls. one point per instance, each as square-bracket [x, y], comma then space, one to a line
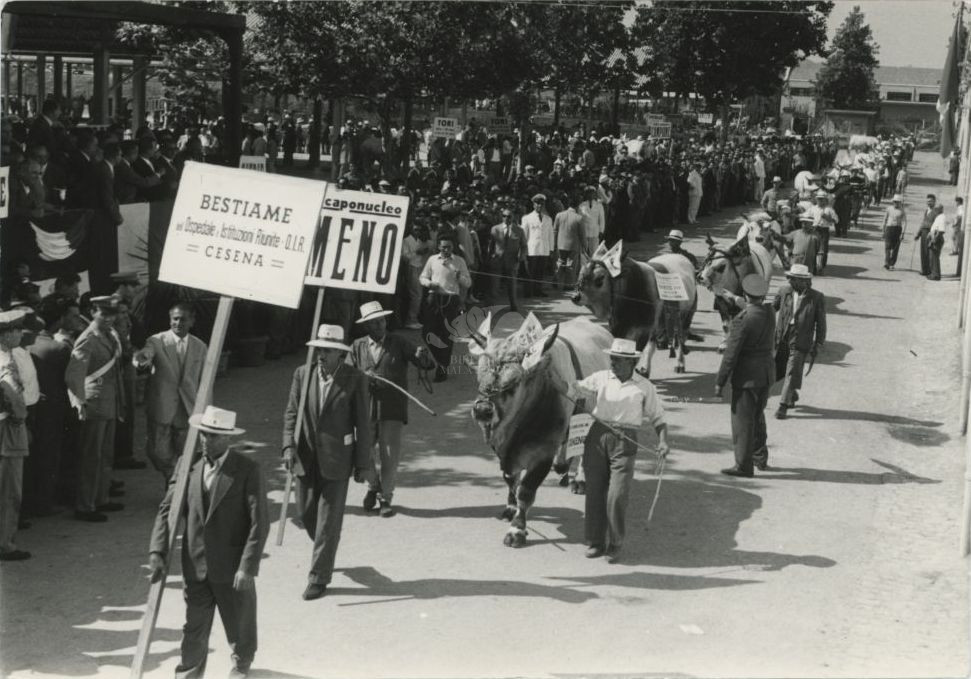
[445, 128]
[242, 234]
[706, 118]
[257, 163]
[358, 241]
[660, 130]
[500, 126]
[670, 287]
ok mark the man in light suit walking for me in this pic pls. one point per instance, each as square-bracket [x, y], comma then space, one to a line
[176, 359]
[225, 530]
[335, 443]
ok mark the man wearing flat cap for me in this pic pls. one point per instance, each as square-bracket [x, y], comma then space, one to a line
[335, 444]
[748, 362]
[800, 331]
[95, 388]
[225, 529]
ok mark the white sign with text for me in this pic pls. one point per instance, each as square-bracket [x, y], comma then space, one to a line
[255, 163]
[670, 287]
[242, 233]
[579, 428]
[358, 241]
[446, 128]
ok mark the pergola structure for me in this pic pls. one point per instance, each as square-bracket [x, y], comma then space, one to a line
[64, 29]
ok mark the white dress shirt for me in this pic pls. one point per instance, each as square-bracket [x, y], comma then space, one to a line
[211, 470]
[627, 404]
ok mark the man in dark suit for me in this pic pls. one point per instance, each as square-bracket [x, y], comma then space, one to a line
[386, 355]
[225, 529]
[335, 443]
[800, 332]
[146, 166]
[923, 233]
[128, 183]
[748, 362]
[42, 129]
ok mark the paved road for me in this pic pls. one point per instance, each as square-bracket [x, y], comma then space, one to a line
[842, 562]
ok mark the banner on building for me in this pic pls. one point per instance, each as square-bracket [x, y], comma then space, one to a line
[358, 241]
[242, 234]
[706, 118]
[445, 128]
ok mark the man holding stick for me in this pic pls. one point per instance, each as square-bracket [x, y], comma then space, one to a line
[335, 443]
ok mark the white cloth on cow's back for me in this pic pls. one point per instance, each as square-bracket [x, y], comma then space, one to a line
[627, 404]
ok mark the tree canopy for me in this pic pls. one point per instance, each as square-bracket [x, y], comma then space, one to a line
[846, 80]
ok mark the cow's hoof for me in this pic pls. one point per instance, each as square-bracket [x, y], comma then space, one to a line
[578, 488]
[679, 368]
[514, 538]
[507, 514]
[564, 481]
[671, 353]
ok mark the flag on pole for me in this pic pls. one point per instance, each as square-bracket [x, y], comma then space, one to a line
[947, 100]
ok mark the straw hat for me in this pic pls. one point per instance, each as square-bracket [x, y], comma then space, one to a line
[799, 271]
[897, 198]
[623, 348]
[216, 421]
[676, 234]
[329, 337]
[371, 311]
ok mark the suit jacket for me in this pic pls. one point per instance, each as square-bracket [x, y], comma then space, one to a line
[171, 392]
[51, 358]
[142, 168]
[396, 353]
[42, 132]
[568, 230]
[810, 317]
[336, 437]
[128, 183]
[748, 356]
[229, 535]
[103, 187]
[105, 396]
[508, 243]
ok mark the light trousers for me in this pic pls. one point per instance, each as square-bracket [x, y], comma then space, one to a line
[386, 454]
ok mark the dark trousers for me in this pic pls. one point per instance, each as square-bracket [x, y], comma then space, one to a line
[748, 426]
[792, 382]
[934, 247]
[440, 310]
[608, 462]
[925, 254]
[537, 274]
[322, 504]
[237, 610]
[94, 471]
[503, 276]
[822, 255]
[125, 431]
[891, 245]
[42, 466]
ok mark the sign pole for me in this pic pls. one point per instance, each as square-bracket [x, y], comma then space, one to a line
[203, 397]
[299, 425]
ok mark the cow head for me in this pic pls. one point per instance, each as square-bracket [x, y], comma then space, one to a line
[595, 284]
[720, 270]
[511, 374]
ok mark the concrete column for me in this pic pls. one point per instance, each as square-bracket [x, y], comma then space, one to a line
[58, 89]
[117, 108]
[6, 83]
[20, 84]
[41, 80]
[138, 93]
[99, 101]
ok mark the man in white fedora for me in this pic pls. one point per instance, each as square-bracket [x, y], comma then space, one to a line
[226, 526]
[675, 247]
[800, 331]
[386, 355]
[335, 444]
[621, 402]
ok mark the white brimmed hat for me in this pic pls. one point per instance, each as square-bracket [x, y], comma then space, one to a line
[329, 337]
[897, 198]
[216, 421]
[623, 348]
[799, 271]
[676, 234]
[371, 311]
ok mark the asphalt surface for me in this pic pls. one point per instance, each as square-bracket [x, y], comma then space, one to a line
[842, 562]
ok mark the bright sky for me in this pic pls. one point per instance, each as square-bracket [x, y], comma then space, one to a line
[909, 32]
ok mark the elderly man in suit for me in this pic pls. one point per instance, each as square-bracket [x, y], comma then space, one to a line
[747, 361]
[96, 391]
[335, 444]
[225, 529]
[387, 355]
[570, 241]
[923, 233]
[176, 359]
[507, 252]
[800, 331]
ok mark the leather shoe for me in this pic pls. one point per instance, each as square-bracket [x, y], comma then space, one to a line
[129, 463]
[593, 551]
[90, 517]
[314, 591]
[116, 492]
[762, 466]
[735, 471]
[111, 507]
[387, 511]
[239, 672]
[781, 413]
[613, 554]
[14, 555]
[115, 485]
[370, 500]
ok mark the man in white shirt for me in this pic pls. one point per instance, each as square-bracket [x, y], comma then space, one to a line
[538, 227]
[759, 166]
[594, 221]
[935, 245]
[443, 278]
[695, 192]
[805, 182]
[621, 401]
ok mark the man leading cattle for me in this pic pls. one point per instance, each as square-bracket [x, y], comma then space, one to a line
[800, 331]
[620, 401]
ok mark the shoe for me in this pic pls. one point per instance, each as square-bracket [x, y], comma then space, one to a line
[14, 555]
[780, 414]
[111, 507]
[413, 326]
[314, 591]
[735, 471]
[387, 511]
[129, 463]
[116, 492]
[115, 485]
[441, 377]
[613, 554]
[370, 500]
[564, 481]
[90, 517]
[763, 466]
[239, 671]
[23, 524]
[593, 551]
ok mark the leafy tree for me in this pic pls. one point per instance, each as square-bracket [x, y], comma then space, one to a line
[846, 80]
[727, 51]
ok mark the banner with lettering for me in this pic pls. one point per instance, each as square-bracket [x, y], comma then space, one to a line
[255, 163]
[242, 233]
[358, 241]
[445, 128]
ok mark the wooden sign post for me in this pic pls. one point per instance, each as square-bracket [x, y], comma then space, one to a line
[238, 233]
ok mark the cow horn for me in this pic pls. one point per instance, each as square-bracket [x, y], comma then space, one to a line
[483, 333]
[709, 240]
[552, 338]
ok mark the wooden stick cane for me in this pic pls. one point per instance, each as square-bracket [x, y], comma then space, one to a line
[657, 491]
[288, 488]
[203, 398]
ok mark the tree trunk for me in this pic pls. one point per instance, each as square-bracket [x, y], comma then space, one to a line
[406, 137]
[556, 107]
[498, 106]
[313, 141]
